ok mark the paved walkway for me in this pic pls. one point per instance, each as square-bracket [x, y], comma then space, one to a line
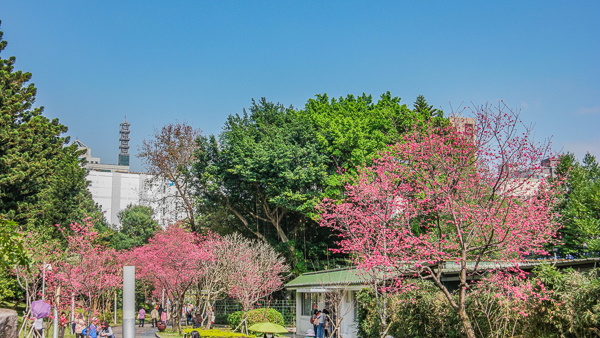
[140, 332]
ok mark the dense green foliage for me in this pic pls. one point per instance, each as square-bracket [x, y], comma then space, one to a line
[264, 174]
[352, 130]
[269, 165]
[41, 181]
[255, 316]
[9, 288]
[11, 245]
[137, 227]
[572, 310]
[580, 208]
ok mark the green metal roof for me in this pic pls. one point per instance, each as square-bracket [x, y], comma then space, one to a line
[347, 276]
[353, 276]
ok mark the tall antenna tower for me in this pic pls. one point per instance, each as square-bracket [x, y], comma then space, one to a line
[124, 147]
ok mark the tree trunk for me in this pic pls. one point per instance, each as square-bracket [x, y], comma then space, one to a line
[245, 222]
[208, 308]
[462, 297]
[464, 318]
[274, 217]
[177, 315]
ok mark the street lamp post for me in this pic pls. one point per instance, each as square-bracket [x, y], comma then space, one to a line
[128, 301]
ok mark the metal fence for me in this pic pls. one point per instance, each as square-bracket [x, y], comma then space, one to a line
[287, 308]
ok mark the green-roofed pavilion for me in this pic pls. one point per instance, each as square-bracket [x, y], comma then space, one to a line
[328, 279]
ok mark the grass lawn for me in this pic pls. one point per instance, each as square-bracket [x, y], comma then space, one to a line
[168, 333]
[8, 305]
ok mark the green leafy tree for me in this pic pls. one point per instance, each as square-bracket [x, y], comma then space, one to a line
[137, 227]
[12, 252]
[580, 208]
[9, 288]
[11, 245]
[266, 171]
[41, 181]
[266, 167]
[352, 130]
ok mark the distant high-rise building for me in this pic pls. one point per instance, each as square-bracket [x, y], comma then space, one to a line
[114, 187]
[124, 146]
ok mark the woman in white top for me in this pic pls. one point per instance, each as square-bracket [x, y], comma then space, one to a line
[38, 325]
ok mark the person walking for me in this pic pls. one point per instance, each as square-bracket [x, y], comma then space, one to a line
[141, 317]
[154, 316]
[160, 311]
[63, 324]
[188, 315]
[321, 320]
[164, 317]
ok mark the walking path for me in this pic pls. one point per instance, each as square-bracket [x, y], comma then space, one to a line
[140, 332]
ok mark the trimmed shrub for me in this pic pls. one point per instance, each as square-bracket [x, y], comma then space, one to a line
[255, 316]
[215, 333]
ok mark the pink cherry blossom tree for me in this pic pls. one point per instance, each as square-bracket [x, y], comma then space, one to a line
[450, 197]
[172, 260]
[255, 271]
[30, 278]
[88, 270]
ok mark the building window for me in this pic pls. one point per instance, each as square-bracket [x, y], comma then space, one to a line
[309, 302]
[354, 303]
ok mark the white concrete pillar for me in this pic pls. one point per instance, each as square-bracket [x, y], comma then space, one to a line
[129, 302]
[115, 320]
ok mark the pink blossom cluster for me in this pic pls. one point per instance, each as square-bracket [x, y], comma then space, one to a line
[443, 196]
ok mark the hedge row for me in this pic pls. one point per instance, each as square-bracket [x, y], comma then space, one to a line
[255, 317]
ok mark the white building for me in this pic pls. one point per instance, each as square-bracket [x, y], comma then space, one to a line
[114, 187]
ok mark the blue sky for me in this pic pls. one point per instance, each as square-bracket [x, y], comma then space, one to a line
[199, 61]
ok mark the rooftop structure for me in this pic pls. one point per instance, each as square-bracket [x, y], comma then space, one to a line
[124, 146]
[94, 163]
[465, 125]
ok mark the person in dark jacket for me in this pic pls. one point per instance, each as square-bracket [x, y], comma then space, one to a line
[160, 311]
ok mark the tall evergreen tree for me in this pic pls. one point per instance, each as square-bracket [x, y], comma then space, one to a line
[421, 106]
[41, 181]
[580, 208]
